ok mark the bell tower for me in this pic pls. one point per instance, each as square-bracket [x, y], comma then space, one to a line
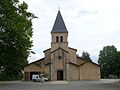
[59, 34]
[59, 50]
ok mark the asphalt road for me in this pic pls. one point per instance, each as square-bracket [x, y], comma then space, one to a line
[71, 85]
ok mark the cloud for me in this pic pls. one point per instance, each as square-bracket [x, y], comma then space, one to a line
[85, 12]
[92, 24]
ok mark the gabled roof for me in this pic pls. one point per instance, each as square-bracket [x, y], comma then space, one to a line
[59, 25]
[72, 48]
[73, 63]
[46, 50]
[35, 62]
[61, 49]
[87, 61]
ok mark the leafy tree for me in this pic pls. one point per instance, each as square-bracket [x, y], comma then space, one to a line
[15, 37]
[86, 55]
[109, 60]
[117, 64]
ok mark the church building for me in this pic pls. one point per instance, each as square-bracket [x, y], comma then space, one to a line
[61, 61]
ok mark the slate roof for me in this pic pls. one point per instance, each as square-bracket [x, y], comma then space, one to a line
[59, 25]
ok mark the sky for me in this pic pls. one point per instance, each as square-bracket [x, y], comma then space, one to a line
[92, 24]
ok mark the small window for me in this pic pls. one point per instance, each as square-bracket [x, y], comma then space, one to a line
[57, 39]
[61, 38]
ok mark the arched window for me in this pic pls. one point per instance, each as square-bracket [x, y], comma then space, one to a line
[61, 38]
[57, 39]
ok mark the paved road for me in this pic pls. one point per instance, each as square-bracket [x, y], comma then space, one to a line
[72, 85]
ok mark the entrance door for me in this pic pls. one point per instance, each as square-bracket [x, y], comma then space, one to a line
[59, 74]
[26, 76]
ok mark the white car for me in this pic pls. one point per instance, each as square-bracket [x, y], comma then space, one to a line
[37, 78]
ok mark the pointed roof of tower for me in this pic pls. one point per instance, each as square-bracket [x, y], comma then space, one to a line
[59, 25]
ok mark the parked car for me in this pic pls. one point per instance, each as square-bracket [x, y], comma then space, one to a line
[39, 78]
[36, 78]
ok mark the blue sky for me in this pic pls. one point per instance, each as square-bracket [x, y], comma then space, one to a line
[92, 24]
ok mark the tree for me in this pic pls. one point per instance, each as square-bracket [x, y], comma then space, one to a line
[15, 37]
[118, 65]
[86, 55]
[109, 61]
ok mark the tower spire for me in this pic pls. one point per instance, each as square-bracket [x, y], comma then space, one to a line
[59, 25]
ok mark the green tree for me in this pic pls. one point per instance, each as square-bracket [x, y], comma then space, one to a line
[118, 65]
[86, 55]
[109, 61]
[15, 38]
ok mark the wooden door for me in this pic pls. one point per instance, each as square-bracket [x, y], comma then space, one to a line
[26, 76]
[59, 74]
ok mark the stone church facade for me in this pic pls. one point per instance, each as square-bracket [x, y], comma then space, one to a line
[61, 61]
